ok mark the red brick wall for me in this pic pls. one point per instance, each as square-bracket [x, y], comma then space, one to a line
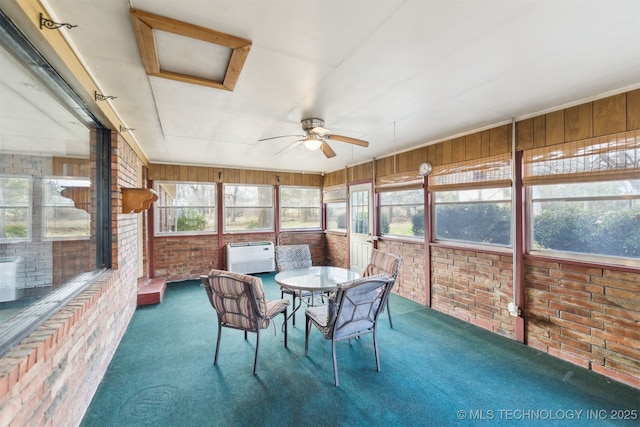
[51, 376]
[188, 257]
[184, 257]
[336, 250]
[411, 279]
[585, 315]
[473, 286]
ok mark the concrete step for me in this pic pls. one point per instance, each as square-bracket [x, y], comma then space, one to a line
[151, 290]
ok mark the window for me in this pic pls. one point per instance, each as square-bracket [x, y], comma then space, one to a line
[15, 208]
[185, 208]
[248, 208]
[402, 213]
[401, 204]
[55, 191]
[66, 208]
[473, 216]
[597, 218]
[584, 199]
[335, 202]
[300, 208]
[336, 216]
[472, 201]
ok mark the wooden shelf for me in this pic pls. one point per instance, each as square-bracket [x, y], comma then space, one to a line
[136, 200]
[81, 196]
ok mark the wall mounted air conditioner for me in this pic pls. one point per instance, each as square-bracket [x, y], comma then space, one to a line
[251, 257]
[8, 279]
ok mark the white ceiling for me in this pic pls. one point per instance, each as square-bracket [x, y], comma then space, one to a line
[396, 73]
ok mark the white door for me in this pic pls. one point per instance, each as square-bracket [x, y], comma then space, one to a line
[361, 226]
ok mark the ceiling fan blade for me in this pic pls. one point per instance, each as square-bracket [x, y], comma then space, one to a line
[281, 136]
[348, 139]
[289, 147]
[320, 131]
[327, 150]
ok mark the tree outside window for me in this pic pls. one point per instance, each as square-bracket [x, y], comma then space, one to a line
[402, 213]
[248, 208]
[300, 208]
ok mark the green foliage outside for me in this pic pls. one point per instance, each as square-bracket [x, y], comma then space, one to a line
[415, 228]
[16, 231]
[568, 227]
[574, 228]
[481, 223]
[384, 224]
[190, 220]
[417, 222]
[252, 224]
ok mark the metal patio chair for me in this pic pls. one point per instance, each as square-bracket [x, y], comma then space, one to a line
[240, 303]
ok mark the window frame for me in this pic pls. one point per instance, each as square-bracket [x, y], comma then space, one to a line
[335, 195]
[492, 173]
[28, 207]
[469, 243]
[560, 254]
[282, 206]
[603, 159]
[247, 230]
[420, 207]
[46, 207]
[177, 208]
[19, 326]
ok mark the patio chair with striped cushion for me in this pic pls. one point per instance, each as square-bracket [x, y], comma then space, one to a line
[384, 263]
[240, 303]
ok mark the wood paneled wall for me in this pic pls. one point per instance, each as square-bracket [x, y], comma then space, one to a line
[335, 178]
[606, 116]
[234, 176]
[469, 147]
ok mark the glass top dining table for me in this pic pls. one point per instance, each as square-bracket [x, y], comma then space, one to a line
[315, 279]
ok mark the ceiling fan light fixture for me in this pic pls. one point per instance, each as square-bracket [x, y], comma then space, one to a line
[312, 142]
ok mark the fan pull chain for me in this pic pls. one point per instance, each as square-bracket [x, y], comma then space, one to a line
[394, 147]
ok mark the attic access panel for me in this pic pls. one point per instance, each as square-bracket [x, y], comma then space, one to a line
[144, 25]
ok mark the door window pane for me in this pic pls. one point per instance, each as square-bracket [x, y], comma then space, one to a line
[360, 212]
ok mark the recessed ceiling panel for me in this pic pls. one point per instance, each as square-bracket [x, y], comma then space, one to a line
[184, 55]
[148, 25]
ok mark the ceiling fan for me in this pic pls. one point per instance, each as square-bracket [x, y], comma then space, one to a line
[315, 137]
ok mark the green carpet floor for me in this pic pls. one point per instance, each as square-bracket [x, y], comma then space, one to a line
[435, 371]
